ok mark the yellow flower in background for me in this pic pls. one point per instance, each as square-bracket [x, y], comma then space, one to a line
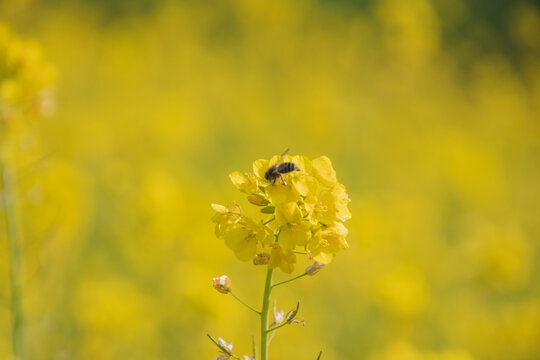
[303, 209]
[437, 163]
[24, 79]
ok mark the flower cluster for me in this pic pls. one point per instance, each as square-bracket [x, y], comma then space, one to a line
[303, 212]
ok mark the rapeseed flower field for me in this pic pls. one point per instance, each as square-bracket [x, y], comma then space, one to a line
[122, 122]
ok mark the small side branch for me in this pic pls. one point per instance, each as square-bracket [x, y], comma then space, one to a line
[289, 280]
[243, 303]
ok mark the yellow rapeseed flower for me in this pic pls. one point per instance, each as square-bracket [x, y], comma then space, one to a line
[305, 211]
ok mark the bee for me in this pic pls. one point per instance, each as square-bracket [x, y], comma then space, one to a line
[275, 171]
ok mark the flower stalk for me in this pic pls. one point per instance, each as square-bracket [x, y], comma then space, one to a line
[303, 214]
[289, 280]
[243, 303]
[264, 314]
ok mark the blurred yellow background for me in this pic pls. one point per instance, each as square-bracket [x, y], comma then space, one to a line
[429, 111]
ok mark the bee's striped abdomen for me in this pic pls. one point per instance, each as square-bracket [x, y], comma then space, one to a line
[287, 167]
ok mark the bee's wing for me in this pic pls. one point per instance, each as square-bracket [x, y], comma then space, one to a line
[280, 160]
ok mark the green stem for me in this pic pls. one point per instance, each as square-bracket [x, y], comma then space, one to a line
[15, 262]
[320, 353]
[269, 220]
[243, 303]
[286, 281]
[264, 314]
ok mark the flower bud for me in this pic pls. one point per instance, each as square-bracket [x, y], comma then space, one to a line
[258, 199]
[290, 318]
[222, 284]
[268, 210]
[314, 268]
[261, 259]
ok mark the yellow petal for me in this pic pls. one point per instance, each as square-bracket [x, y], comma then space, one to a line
[337, 228]
[287, 213]
[303, 163]
[235, 208]
[243, 182]
[322, 257]
[259, 168]
[304, 184]
[287, 262]
[219, 208]
[239, 240]
[294, 235]
[341, 201]
[280, 193]
[326, 212]
[303, 234]
[235, 237]
[266, 236]
[335, 236]
[275, 257]
[262, 234]
[323, 171]
[287, 238]
[238, 178]
[247, 252]
[314, 241]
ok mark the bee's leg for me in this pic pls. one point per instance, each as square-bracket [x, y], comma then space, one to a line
[274, 181]
[282, 180]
